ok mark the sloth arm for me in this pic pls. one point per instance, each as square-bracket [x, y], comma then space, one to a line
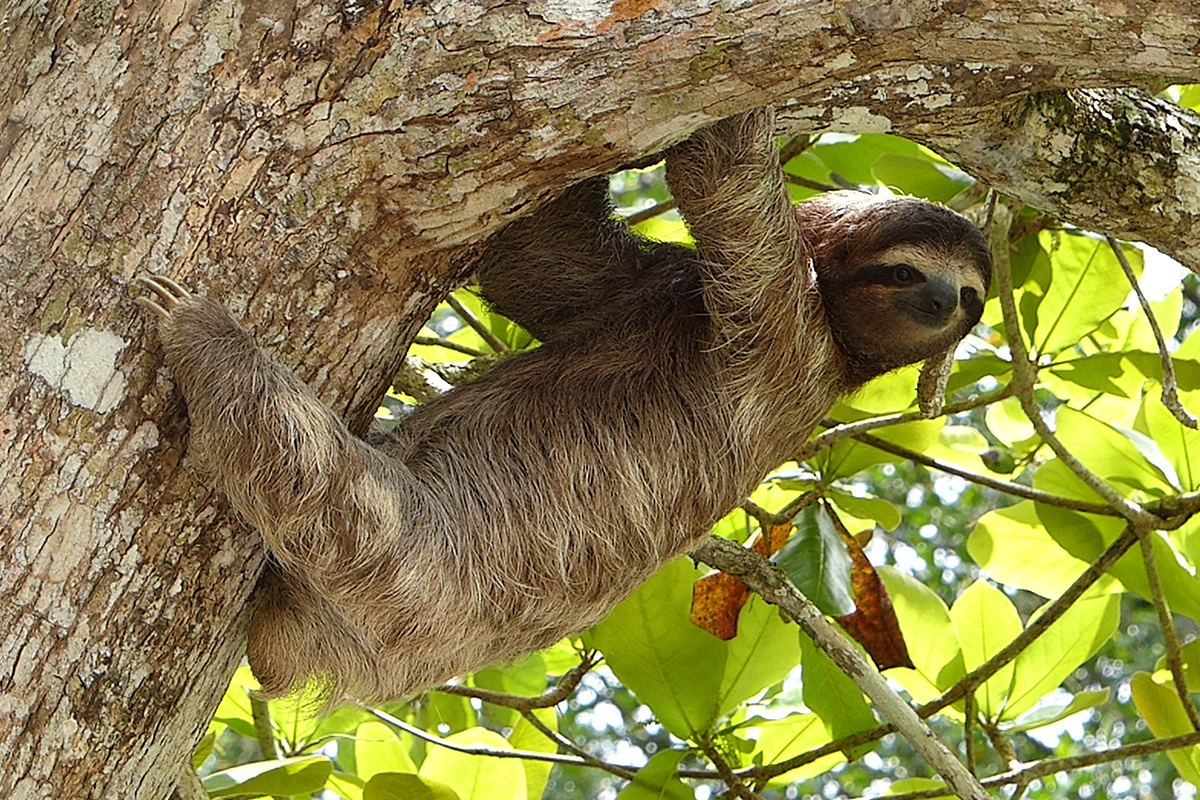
[564, 261]
[730, 188]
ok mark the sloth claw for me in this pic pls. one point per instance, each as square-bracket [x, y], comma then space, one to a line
[169, 294]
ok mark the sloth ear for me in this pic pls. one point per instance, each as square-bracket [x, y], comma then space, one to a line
[931, 386]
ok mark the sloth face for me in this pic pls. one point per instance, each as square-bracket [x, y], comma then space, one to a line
[901, 279]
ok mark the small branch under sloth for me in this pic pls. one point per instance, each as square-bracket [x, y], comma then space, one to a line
[772, 586]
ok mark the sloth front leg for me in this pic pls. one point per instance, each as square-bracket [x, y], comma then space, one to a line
[731, 190]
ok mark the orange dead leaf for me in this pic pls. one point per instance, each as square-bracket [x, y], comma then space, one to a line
[874, 624]
[717, 599]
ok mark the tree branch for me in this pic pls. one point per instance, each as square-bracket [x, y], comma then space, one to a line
[766, 580]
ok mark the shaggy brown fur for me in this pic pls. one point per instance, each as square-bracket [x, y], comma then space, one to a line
[522, 507]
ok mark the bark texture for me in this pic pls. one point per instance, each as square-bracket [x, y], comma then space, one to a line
[325, 169]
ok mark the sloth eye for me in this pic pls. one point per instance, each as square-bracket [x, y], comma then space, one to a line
[903, 274]
[968, 296]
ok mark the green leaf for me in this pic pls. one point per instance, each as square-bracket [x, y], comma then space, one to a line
[817, 562]
[929, 633]
[1162, 709]
[1086, 288]
[832, 695]
[658, 780]
[780, 739]
[850, 456]
[402, 786]
[1008, 422]
[919, 785]
[472, 777]
[882, 511]
[687, 676]
[762, 654]
[234, 709]
[526, 737]
[1074, 638]
[922, 177]
[1111, 373]
[654, 649]
[1052, 714]
[1122, 457]
[202, 751]
[281, 776]
[986, 622]
[377, 749]
[344, 784]
[1013, 546]
[1180, 445]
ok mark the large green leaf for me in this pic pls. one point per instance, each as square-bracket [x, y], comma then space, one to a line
[402, 786]
[377, 749]
[1126, 458]
[816, 560]
[1180, 444]
[1085, 536]
[831, 694]
[658, 780]
[1013, 546]
[281, 776]
[1049, 715]
[687, 676]
[780, 739]
[472, 777]
[1087, 286]
[762, 654]
[919, 175]
[1072, 639]
[1160, 706]
[929, 633]
[986, 622]
[654, 649]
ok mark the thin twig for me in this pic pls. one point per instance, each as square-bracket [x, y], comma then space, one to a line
[1052, 766]
[734, 783]
[491, 752]
[1008, 487]
[441, 341]
[1025, 378]
[651, 212]
[794, 147]
[837, 431]
[1167, 625]
[484, 332]
[969, 731]
[264, 734]
[810, 184]
[562, 690]
[1170, 387]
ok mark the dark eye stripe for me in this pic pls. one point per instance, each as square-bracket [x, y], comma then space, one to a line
[886, 274]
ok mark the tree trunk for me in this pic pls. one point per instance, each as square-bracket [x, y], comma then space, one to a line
[325, 171]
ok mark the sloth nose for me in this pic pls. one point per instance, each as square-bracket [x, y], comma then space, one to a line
[938, 298]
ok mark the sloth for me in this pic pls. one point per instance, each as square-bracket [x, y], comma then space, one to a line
[520, 508]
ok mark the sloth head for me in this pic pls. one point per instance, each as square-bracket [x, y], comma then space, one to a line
[901, 279]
